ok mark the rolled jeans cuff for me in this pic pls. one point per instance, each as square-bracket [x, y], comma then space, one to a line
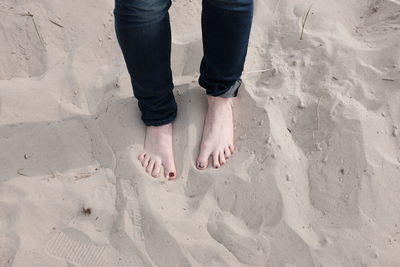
[231, 91]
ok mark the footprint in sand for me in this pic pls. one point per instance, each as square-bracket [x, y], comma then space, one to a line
[76, 248]
[9, 241]
[78, 252]
[8, 248]
[247, 249]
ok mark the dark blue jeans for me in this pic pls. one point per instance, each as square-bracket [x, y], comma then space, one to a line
[144, 34]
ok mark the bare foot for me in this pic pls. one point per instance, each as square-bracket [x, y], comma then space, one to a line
[158, 151]
[217, 138]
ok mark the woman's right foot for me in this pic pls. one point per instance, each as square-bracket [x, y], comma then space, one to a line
[217, 140]
[158, 151]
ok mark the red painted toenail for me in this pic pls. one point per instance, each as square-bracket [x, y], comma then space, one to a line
[171, 174]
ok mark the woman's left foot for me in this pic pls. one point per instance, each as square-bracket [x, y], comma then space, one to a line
[217, 140]
[158, 151]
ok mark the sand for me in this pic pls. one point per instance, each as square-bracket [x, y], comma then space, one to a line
[315, 181]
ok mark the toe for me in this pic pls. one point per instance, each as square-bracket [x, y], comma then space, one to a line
[150, 167]
[227, 153]
[141, 156]
[157, 169]
[145, 161]
[202, 160]
[169, 170]
[222, 159]
[215, 157]
[232, 148]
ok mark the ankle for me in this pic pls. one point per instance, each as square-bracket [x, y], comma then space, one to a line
[162, 129]
[216, 101]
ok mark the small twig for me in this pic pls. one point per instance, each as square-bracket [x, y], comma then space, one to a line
[29, 14]
[55, 23]
[386, 79]
[36, 28]
[303, 22]
[83, 175]
[21, 173]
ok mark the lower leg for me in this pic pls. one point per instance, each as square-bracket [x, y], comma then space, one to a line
[144, 34]
[226, 28]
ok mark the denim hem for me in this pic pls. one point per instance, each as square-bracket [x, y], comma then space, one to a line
[160, 122]
[231, 91]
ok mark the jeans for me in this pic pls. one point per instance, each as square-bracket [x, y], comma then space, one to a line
[144, 35]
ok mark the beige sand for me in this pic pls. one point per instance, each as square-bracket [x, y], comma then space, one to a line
[316, 180]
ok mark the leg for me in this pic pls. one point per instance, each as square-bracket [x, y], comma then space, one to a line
[226, 28]
[144, 34]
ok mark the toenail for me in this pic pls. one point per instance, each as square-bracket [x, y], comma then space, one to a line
[201, 165]
[171, 174]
